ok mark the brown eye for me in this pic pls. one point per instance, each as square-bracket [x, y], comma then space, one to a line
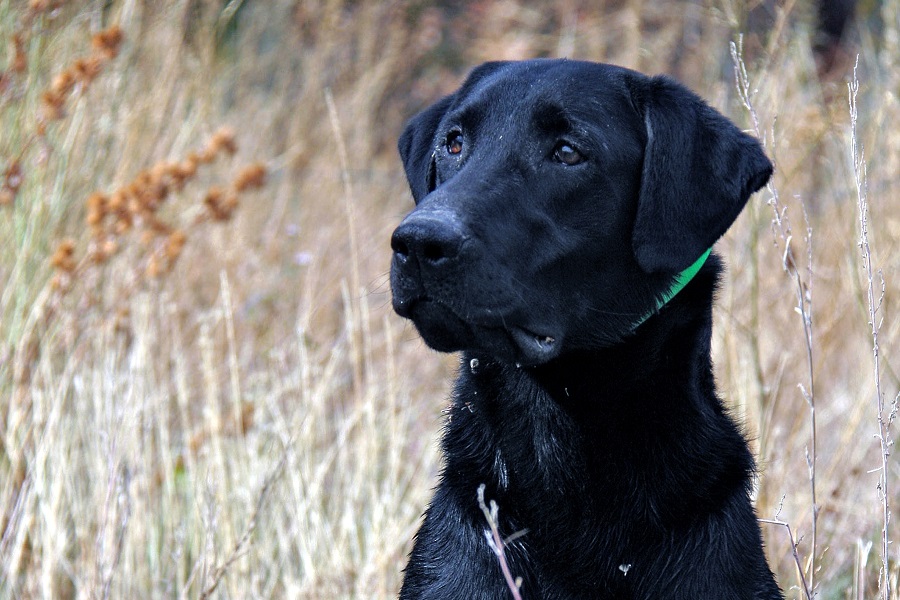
[567, 155]
[454, 142]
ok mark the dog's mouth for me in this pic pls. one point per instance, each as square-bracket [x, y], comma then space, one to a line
[535, 348]
[444, 330]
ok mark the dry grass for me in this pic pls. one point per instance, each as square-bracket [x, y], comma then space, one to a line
[203, 392]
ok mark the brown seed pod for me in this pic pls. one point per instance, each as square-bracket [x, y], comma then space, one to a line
[251, 177]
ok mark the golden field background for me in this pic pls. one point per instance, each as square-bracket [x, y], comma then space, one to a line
[203, 390]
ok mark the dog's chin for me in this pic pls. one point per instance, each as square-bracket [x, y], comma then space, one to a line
[443, 330]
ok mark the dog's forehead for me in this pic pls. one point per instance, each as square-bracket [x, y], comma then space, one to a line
[532, 92]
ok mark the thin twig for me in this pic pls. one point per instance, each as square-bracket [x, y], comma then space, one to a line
[498, 544]
[794, 551]
[355, 282]
[874, 305]
[782, 228]
[123, 498]
[240, 547]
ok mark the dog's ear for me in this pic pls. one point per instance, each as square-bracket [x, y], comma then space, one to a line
[417, 143]
[699, 171]
[417, 147]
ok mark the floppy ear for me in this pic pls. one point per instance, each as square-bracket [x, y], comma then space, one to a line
[417, 148]
[699, 170]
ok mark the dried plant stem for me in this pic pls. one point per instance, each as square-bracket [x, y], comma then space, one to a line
[123, 499]
[355, 285]
[874, 305]
[797, 560]
[240, 546]
[782, 229]
[498, 544]
[859, 567]
[233, 366]
[804, 307]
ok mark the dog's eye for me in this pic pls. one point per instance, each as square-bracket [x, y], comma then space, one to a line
[454, 142]
[567, 155]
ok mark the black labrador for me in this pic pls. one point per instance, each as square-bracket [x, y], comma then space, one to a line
[561, 239]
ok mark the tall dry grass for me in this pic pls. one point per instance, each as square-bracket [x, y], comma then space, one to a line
[213, 398]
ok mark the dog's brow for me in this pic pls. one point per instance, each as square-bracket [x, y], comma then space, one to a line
[550, 117]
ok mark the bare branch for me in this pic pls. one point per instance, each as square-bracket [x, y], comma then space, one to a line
[874, 306]
[497, 543]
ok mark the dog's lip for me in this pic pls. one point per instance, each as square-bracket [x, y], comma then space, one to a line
[535, 348]
[530, 347]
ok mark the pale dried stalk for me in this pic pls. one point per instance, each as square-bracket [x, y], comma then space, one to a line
[123, 500]
[498, 544]
[355, 285]
[781, 227]
[794, 551]
[240, 547]
[874, 305]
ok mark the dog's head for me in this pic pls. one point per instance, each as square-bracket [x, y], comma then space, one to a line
[556, 201]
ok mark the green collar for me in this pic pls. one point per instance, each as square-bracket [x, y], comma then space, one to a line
[681, 280]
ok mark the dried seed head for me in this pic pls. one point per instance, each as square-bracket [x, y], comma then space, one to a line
[220, 204]
[53, 98]
[252, 176]
[206, 156]
[63, 258]
[97, 255]
[188, 166]
[133, 205]
[52, 105]
[39, 6]
[57, 283]
[154, 269]
[230, 203]
[109, 246]
[175, 244]
[158, 227]
[117, 201]
[63, 83]
[157, 172]
[94, 219]
[87, 69]
[178, 175]
[154, 194]
[107, 42]
[12, 177]
[124, 223]
[97, 201]
[20, 59]
[213, 195]
[223, 140]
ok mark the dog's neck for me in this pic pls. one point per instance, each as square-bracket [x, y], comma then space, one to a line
[678, 283]
[674, 338]
[593, 401]
[587, 415]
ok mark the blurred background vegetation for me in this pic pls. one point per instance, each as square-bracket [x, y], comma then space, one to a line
[203, 391]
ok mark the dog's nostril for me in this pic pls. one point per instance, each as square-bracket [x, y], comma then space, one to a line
[398, 245]
[434, 252]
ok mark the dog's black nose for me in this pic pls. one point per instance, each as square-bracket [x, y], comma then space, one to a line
[433, 238]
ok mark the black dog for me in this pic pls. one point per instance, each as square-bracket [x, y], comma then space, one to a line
[565, 212]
